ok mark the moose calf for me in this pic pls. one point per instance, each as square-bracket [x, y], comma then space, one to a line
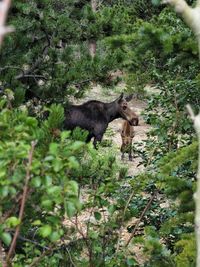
[127, 134]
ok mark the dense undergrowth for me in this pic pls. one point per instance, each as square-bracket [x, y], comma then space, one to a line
[46, 169]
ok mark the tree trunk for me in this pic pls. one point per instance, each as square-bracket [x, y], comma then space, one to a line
[191, 16]
[92, 42]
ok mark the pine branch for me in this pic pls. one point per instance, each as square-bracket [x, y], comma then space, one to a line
[38, 61]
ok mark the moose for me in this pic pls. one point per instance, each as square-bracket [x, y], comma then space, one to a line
[94, 116]
[127, 134]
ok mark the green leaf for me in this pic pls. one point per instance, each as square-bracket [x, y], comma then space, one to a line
[53, 148]
[97, 215]
[47, 204]
[70, 209]
[2, 173]
[45, 230]
[6, 238]
[73, 163]
[48, 180]
[12, 222]
[77, 145]
[65, 135]
[131, 262]
[36, 222]
[57, 164]
[93, 235]
[31, 121]
[54, 190]
[54, 236]
[73, 187]
[111, 209]
[156, 2]
[36, 181]
[4, 191]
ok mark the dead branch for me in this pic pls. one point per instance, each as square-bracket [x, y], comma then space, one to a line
[141, 217]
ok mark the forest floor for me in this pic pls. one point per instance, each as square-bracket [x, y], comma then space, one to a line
[134, 167]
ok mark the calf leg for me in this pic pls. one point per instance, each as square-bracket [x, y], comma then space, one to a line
[122, 151]
[130, 152]
[130, 157]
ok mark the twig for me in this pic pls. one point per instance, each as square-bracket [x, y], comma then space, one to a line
[24, 195]
[141, 217]
[15, 200]
[122, 220]
[36, 260]
[32, 242]
[70, 257]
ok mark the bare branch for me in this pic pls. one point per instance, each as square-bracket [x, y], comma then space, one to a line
[141, 217]
[24, 196]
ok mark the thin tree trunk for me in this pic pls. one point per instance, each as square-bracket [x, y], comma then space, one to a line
[4, 6]
[196, 120]
[92, 42]
[191, 16]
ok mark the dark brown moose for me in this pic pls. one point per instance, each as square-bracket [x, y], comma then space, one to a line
[127, 134]
[94, 116]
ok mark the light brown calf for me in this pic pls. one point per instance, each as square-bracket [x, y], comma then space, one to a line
[127, 134]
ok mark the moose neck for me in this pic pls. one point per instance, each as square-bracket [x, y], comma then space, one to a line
[112, 111]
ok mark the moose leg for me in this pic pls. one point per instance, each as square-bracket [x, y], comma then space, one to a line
[130, 157]
[122, 151]
[97, 139]
[130, 153]
[89, 137]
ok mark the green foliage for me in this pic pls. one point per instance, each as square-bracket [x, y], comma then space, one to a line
[47, 56]
[55, 173]
[186, 251]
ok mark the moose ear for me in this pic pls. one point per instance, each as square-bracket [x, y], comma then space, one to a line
[119, 99]
[128, 98]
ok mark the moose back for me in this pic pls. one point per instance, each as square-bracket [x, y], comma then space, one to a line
[94, 116]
